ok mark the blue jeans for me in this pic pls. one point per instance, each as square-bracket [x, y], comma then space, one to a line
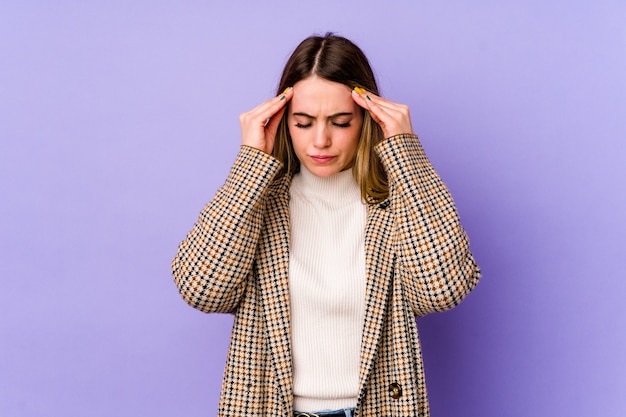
[347, 412]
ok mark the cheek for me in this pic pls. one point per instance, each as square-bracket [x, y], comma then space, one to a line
[295, 135]
[297, 140]
[353, 139]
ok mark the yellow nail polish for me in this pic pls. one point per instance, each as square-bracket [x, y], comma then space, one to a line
[359, 90]
[282, 95]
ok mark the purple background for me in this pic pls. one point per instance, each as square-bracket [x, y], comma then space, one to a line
[118, 121]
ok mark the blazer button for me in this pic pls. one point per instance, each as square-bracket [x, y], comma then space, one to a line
[395, 390]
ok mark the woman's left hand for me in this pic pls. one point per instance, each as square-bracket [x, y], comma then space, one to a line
[393, 118]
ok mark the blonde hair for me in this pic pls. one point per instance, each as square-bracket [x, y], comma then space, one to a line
[336, 59]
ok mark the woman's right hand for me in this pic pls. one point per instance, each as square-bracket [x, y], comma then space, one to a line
[259, 125]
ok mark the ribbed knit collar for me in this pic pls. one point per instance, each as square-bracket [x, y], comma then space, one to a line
[338, 188]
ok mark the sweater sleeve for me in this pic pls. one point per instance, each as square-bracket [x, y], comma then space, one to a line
[214, 263]
[436, 266]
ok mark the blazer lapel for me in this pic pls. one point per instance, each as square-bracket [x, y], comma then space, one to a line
[273, 266]
[379, 273]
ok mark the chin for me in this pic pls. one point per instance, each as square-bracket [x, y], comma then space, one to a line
[323, 171]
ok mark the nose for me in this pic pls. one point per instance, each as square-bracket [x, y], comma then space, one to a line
[322, 138]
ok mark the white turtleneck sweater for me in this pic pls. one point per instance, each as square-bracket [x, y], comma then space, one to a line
[327, 289]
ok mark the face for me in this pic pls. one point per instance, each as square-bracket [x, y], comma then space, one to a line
[325, 125]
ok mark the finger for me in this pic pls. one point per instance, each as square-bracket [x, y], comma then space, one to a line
[369, 96]
[272, 124]
[358, 97]
[393, 118]
[364, 99]
[256, 122]
[264, 111]
[388, 105]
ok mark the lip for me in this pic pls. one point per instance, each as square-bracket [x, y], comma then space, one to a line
[322, 159]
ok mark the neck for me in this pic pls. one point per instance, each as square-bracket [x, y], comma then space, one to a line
[341, 187]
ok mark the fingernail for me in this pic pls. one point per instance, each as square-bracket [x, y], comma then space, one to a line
[359, 90]
[368, 97]
[284, 92]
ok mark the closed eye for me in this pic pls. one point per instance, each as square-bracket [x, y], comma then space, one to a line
[303, 126]
[347, 124]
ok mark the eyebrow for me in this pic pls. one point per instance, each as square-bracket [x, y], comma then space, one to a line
[332, 116]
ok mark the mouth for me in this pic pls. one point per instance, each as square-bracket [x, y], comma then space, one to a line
[322, 159]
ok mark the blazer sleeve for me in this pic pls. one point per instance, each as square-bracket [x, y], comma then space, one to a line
[214, 263]
[432, 249]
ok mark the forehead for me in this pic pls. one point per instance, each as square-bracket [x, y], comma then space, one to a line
[318, 97]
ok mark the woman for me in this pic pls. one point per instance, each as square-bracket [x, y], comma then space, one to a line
[330, 234]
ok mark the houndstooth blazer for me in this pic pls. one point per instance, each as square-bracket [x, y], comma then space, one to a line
[236, 260]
